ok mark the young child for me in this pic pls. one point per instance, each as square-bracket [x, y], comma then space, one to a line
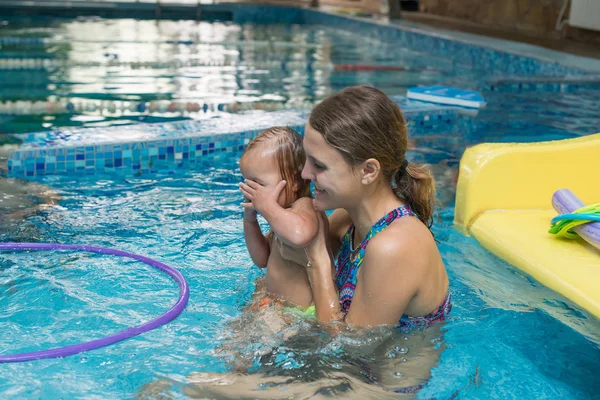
[271, 166]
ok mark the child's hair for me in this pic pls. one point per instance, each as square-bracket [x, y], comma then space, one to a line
[362, 122]
[290, 158]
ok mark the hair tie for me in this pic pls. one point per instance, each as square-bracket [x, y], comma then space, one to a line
[400, 171]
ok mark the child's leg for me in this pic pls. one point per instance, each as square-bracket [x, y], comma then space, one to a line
[262, 326]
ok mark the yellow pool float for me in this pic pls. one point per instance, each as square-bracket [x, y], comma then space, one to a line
[504, 197]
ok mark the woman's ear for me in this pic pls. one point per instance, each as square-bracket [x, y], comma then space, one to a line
[370, 171]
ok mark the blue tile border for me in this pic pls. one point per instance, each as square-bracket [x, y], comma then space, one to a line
[547, 85]
[178, 144]
[138, 158]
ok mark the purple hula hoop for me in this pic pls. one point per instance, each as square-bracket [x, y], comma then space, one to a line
[184, 294]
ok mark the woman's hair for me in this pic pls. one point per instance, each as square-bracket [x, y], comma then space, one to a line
[362, 122]
[290, 156]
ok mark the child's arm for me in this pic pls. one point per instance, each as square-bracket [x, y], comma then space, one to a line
[295, 226]
[256, 242]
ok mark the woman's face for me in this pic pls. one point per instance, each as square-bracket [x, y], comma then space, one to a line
[337, 184]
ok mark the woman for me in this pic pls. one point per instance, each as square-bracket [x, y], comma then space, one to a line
[388, 269]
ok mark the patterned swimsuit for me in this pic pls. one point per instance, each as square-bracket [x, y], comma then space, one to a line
[349, 261]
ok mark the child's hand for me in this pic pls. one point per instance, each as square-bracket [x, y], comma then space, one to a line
[259, 197]
[247, 203]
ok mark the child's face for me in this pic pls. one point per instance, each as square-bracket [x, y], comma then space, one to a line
[260, 165]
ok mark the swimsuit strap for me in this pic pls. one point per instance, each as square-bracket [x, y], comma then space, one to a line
[380, 225]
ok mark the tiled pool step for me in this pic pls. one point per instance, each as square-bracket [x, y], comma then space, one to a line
[147, 148]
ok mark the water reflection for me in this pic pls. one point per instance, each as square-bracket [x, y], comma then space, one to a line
[98, 72]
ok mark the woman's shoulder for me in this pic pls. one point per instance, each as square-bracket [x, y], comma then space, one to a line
[405, 238]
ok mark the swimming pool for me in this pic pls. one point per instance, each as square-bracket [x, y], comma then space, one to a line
[512, 336]
[509, 337]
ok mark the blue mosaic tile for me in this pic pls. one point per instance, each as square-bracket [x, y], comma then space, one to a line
[479, 57]
[99, 160]
[266, 14]
[547, 85]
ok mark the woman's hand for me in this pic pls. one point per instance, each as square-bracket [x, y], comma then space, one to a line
[319, 246]
[259, 197]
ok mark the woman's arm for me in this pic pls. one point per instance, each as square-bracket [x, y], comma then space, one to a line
[321, 272]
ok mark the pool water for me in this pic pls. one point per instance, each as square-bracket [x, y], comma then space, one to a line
[226, 66]
[509, 337]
